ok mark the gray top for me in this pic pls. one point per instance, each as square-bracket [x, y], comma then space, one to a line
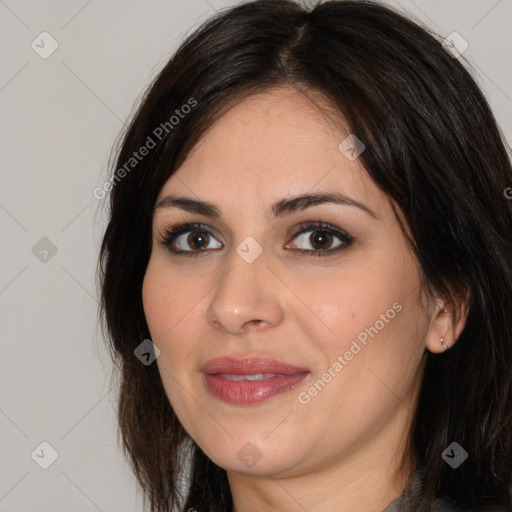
[412, 491]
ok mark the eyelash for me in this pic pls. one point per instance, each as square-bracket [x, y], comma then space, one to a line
[170, 233]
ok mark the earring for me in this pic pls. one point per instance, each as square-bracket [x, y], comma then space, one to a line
[444, 344]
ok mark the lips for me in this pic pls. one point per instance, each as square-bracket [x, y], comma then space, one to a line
[249, 366]
[251, 380]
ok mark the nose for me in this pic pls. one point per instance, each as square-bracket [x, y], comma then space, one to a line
[245, 297]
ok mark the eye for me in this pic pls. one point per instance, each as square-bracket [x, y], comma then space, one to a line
[199, 237]
[319, 236]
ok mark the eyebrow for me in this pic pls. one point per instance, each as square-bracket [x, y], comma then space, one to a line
[278, 209]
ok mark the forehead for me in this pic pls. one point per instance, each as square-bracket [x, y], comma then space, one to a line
[270, 145]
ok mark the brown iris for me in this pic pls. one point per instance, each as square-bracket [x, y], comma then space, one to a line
[321, 239]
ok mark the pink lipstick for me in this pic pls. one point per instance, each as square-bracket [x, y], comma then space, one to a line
[251, 380]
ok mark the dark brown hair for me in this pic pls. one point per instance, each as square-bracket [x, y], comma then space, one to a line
[432, 145]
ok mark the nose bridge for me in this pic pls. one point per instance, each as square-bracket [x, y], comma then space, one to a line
[243, 294]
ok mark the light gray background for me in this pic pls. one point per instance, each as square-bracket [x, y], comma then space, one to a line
[59, 118]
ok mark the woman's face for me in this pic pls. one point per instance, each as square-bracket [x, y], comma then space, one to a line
[350, 322]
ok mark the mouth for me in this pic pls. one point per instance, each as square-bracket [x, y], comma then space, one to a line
[250, 377]
[251, 380]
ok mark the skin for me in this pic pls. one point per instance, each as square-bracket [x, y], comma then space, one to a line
[342, 450]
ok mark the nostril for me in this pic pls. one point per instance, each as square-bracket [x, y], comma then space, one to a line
[253, 324]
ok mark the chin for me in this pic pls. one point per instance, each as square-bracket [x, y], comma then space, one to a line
[256, 457]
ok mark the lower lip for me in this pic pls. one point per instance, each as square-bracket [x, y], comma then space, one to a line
[251, 392]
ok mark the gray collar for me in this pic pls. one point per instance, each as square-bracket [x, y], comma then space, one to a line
[404, 503]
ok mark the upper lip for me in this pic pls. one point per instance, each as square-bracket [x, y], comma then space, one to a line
[249, 366]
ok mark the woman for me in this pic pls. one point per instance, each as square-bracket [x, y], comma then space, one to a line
[344, 340]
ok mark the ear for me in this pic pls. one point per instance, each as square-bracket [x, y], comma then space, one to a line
[447, 323]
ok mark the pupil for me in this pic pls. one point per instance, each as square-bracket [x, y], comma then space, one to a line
[320, 239]
[193, 237]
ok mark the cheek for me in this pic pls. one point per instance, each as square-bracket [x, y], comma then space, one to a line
[168, 315]
[353, 307]
[375, 324]
[165, 301]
